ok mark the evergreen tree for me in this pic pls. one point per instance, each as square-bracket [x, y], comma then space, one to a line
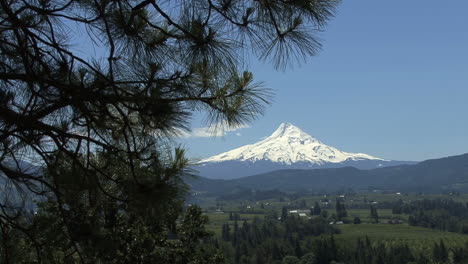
[460, 254]
[324, 214]
[308, 258]
[422, 259]
[325, 250]
[316, 210]
[238, 253]
[443, 252]
[226, 232]
[436, 254]
[400, 254]
[260, 257]
[374, 215]
[290, 260]
[333, 248]
[340, 210]
[161, 61]
[398, 207]
[235, 234]
[297, 248]
[284, 213]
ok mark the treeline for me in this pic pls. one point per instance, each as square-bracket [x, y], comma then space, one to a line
[299, 241]
[441, 214]
[367, 252]
[271, 240]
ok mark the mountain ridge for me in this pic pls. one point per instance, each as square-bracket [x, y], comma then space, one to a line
[434, 175]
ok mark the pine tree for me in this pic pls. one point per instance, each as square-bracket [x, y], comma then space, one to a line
[324, 214]
[238, 253]
[373, 214]
[436, 254]
[443, 252]
[297, 248]
[317, 210]
[422, 259]
[113, 116]
[260, 257]
[308, 258]
[284, 213]
[340, 210]
[333, 248]
[235, 234]
[290, 260]
[226, 232]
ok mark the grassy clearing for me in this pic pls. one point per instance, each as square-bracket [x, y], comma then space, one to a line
[418, 238]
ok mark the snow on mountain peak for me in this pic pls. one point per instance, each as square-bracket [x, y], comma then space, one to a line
[289, 144]
[290, 131]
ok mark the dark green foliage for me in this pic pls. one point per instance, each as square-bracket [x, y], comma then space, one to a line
[460, 254]
[324, 214]
[374, 215]
[356, 220]
[316, 210]
[290, 260]
[340, 210]
[234, 216]
[101, 125]
[446, 215]
[308, 258]
[85, 225]
[398, 207]
[226, 232]
[368, 253]
[298, 240]
[422, 259]
[269, 240]
[440, 252]
[325, 250]
[284, 213]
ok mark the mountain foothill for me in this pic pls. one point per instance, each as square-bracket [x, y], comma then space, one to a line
[290, 159]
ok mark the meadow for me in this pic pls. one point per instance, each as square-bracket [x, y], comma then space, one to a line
[419, 238]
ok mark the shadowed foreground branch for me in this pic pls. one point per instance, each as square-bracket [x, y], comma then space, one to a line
[89, 136]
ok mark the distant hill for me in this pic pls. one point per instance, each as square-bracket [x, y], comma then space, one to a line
[287, 148]
[434, 175]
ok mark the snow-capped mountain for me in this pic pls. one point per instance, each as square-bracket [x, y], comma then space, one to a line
[287, 148]
[288, 145]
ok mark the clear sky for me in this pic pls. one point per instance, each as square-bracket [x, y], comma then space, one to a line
[390, 81]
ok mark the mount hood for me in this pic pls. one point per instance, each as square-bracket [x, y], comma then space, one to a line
[287, 148]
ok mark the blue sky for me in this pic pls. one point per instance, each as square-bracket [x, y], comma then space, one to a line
[390, 81]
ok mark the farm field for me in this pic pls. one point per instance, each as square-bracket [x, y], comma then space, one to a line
[413, 235]
[218, 212]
